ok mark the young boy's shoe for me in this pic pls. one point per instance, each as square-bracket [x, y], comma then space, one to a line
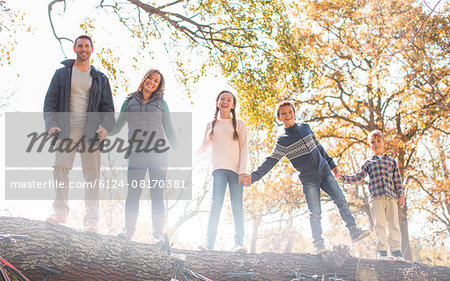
[397, 255]
[205, 247]
[56, 219]
[358, 234]
[239, 249]
[382, 255]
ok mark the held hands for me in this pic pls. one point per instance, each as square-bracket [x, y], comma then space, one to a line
[54, 131]
[336, 173]
[401, 201]
[102, 133]
[245, 179]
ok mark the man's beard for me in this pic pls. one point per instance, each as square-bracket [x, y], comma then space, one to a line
[82, 58]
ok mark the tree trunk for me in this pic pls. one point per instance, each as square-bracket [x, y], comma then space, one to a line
[290, 234]
[403, 222]
[88, 256]
[366, 210]
[403, 212]
[256, 222]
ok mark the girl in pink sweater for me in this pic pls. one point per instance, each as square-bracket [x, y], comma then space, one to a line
[227, 137]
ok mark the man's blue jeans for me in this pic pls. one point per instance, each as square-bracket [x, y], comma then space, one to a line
[311, 189]
[220, 179]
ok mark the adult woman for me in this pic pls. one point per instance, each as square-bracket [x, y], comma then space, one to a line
[148, 117]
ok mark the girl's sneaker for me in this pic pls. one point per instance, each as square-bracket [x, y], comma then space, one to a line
[239, 249]
[205, 247]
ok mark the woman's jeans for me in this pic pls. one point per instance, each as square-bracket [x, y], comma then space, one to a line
[311, 189]
[220, 179]
[156, 165]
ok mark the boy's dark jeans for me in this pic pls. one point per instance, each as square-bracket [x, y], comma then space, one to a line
[311, 189]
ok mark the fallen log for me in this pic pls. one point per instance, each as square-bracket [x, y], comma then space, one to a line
[89, 256]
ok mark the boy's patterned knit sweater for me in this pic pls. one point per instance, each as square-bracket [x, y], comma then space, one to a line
[301, 147]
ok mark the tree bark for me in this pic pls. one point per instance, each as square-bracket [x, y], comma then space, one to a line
[256, 222]
[89, 256]
[403, 212]
[403, 222]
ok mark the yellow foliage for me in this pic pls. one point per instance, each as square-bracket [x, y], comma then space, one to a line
[11, 22]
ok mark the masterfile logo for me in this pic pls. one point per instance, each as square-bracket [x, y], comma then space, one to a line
[30, 157]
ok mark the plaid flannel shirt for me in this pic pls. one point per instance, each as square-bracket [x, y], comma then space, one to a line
[384, 177]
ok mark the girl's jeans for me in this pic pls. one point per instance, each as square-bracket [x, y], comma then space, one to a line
[220, 179]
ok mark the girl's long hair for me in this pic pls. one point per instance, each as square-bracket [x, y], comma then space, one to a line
[233, 113]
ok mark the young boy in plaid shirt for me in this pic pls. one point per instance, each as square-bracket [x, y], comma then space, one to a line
[385, 186]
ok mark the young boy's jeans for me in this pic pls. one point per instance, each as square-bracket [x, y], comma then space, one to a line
[220, 179]
[311, 189]
[385, 217]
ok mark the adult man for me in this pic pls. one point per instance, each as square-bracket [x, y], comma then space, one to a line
[79, 106]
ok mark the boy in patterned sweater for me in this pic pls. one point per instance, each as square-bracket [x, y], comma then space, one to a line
[301, 147]
[385, 186]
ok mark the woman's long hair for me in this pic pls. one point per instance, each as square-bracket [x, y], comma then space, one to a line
[162, 83]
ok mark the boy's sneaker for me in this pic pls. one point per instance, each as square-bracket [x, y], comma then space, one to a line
[239, 249]
[382, 255]
[205, 247]
[358, 234]
[397, 255]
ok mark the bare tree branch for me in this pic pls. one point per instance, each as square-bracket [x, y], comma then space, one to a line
[415, 33]
[50, 7]
[203, 32]
[169, 4]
